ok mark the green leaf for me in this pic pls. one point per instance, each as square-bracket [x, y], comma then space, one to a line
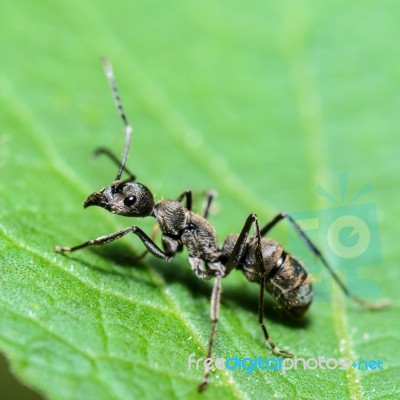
[263, 102]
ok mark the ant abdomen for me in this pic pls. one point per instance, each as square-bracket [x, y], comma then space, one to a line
[286, 279]
[290, 285]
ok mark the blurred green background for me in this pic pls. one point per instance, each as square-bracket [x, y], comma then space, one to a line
[262, 101]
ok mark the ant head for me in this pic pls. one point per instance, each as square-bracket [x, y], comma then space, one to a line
[130, 199]
[122, 197]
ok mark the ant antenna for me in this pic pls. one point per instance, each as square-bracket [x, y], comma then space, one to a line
[127, 127]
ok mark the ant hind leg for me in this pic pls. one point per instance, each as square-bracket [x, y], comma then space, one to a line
[234, 260]
[311, 246]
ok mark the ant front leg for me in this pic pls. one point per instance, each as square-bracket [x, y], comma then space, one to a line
[150, 245]
[317, 252]
[188, 195]
[234, 260]
[153, 236]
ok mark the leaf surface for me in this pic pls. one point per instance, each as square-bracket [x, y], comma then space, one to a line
[262, 103]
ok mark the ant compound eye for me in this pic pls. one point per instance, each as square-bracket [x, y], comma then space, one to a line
[191, 226]
[130, 201]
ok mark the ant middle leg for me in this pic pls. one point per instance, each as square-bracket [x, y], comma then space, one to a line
[235, 259]
[188, 196]
[311, 246]
[214, 313]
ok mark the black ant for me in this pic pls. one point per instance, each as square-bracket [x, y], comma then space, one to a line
[262, 260]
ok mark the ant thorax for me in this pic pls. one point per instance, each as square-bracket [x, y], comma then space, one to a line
[181, 227]
[201, 240]
[171, 215]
